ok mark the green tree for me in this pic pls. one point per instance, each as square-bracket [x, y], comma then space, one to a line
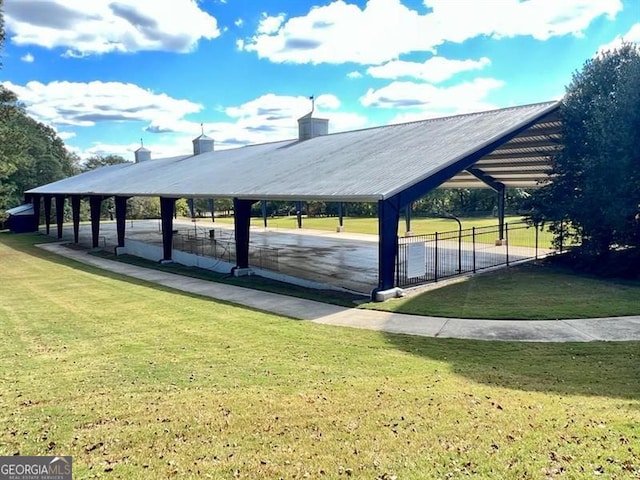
[13, 147]
[31, 153]
[595, 181]
[98, 161]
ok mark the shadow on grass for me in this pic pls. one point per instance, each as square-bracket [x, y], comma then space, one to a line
[608, 369]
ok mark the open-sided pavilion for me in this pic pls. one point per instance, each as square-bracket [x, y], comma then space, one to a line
[392, 166]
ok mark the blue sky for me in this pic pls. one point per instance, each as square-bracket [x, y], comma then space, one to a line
[106, 73]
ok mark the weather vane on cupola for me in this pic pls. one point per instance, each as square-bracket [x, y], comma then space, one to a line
[313, 103]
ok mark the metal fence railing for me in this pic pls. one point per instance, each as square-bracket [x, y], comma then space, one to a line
[220, 244]
[431, 257]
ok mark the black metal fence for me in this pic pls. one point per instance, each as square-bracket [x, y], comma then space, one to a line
[431, 257]
[220, 244]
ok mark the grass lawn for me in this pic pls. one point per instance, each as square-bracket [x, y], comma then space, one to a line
[138, 381]
[529, 291]
[419, 225]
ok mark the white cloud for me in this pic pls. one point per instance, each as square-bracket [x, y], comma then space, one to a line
[341, 32]
[102, 26]
[274, 117]
[85, 104]
[126, 151]
[436, 69]
[426, 100]
[354, 75]
[66, 135]
[163, 121]
[269, 25]
[27, 58]
[265, 119]
[633, 35]
[239, 22]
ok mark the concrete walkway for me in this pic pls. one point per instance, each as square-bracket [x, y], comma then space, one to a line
[586, 330]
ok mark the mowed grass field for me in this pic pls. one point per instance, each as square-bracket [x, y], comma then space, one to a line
[531, 291]
[419, 226]
[369, 225]
[137, 381]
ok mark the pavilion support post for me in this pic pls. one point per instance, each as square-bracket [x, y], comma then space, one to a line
[340, 216]
[167, 212]
[191, 202]
[121, 217]
[59, 213]
[47, 213]
[75, 216]
[502, 193]
[388, 218]
[242, 223]
[407, 218]
[35, 199]
[212, 207]
[95, 205]
[299, 213]
[263, 207]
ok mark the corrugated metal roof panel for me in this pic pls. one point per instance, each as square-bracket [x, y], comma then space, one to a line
[24, 209]
[361, 165]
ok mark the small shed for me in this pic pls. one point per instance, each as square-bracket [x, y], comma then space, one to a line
[21, 219]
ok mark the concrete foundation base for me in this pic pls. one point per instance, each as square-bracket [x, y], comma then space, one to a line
[408, 234]
[242, 272]
[165, 262]
[383, 295]
[120, 251]
[500, 242]
[340, 229]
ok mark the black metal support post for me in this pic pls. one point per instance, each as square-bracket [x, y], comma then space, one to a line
[212, 207]
[407, 217]
[263, 207]
[341, 214]
[35, 199]
[121, 218]
[75, 215]
[59, 213]
[242, 223]
[501, 202]
[95, 204]
[299, 213]
[388, 217]
[47, 213]
[167, 211]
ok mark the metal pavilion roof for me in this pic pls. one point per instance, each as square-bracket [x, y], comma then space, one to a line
[362, 165]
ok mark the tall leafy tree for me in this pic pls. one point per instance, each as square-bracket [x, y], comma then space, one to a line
[595, 182]
[31, 153]
[98, 161]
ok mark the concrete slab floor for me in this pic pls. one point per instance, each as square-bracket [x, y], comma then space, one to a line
[339, 259]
